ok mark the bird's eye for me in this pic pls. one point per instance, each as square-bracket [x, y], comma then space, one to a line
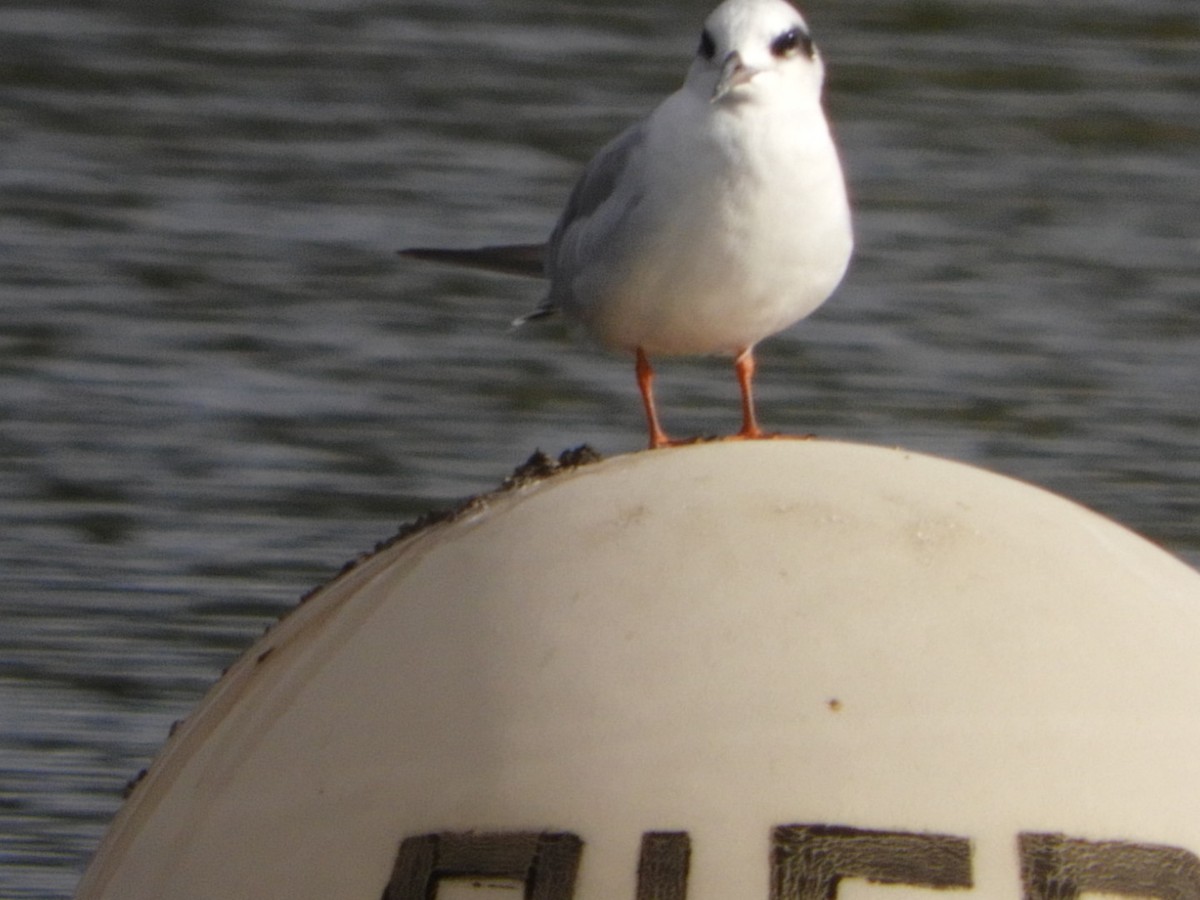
[791, 41]
[708, 47]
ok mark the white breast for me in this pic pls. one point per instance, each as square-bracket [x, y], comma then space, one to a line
[739, 227]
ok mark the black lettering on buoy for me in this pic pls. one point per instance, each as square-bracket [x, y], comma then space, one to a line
[663, 865]
[1057, 867]
[545, 862]
[808, 861]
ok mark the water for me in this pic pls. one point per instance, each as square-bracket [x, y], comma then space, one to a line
[217, 382]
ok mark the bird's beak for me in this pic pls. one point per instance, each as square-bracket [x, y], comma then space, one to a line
[733, 72]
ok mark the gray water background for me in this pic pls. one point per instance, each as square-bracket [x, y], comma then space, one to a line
[218, 383]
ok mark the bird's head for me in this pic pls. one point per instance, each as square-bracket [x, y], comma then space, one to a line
[750, 48]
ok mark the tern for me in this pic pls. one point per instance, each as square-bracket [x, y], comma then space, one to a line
[718, 220]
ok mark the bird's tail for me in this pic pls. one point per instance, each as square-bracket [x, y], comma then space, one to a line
[527, 260]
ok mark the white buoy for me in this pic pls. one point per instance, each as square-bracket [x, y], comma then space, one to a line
[775, 670]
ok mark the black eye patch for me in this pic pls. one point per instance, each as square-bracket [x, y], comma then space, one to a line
[708, 47]
[792, 41]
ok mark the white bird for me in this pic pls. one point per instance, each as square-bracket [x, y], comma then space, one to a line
[715, 222]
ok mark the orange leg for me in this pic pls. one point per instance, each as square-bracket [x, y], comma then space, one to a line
[744, 366]
[645, 379]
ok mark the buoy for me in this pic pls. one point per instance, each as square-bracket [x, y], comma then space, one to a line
[766, 669]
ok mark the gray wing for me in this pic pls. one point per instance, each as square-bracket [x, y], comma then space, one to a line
[584, 224]
[589, 220]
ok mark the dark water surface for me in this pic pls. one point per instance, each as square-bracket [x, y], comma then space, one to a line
[217, 382]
